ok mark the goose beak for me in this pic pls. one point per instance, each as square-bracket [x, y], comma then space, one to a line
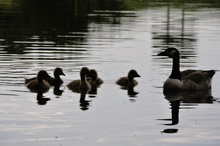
[161, 54]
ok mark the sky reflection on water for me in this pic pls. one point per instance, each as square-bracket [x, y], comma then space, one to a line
[111, 37]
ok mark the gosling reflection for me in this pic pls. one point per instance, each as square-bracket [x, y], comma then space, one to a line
[41, 100]
[170, 131]
[83, 103]
[57, 91]
[93, 92]
[131, 92]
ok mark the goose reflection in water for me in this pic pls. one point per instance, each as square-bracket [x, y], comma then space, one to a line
[176, 98]
[203, 96]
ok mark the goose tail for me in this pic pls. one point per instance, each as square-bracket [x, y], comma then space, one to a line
[211, 73]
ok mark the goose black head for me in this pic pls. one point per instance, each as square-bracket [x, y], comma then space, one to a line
[170, 52]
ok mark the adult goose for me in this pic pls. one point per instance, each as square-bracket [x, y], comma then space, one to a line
[40, 85]
[188, 80]
[129, 81]
[81, 85]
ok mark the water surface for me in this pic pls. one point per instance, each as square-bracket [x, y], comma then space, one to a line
[112, 38]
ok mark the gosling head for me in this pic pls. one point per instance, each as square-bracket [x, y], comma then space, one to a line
[43, 75]
[170, 52]
[84, 72]
[93, 74]
[132, 74]
[58, 71]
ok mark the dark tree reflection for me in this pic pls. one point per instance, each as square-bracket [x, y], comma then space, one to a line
[61, 23]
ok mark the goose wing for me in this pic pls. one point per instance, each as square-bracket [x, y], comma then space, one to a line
[188, 72]
[197, 77]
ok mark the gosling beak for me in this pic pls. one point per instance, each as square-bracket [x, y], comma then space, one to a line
[138, 75]
[62, 74]
[48, 76]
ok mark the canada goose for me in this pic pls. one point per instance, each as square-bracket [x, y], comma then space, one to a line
[128, 81]
[188, 80]
[94, 80]
[82, 84]
[40, 85]
[56, 81]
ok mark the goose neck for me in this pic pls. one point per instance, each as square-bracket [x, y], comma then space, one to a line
[175, 74]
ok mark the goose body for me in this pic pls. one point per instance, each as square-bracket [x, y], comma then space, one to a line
[188, 80]
[39, 85]
[128, 81]
[82, 84]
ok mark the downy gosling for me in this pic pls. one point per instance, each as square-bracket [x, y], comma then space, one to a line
[81, 85]
[40, 85]
[129, 81]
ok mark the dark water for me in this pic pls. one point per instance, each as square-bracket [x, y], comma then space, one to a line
[111, 37]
